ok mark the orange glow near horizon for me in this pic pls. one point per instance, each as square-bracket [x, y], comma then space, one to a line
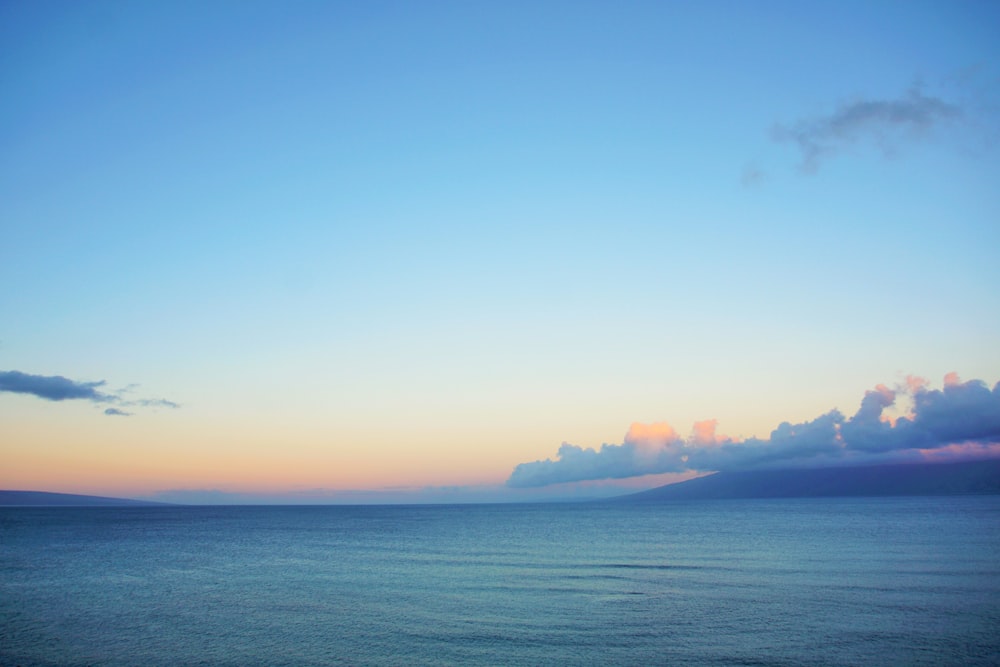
[131, 458]
[73, 448]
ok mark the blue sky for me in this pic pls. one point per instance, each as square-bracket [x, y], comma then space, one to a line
[371, 246]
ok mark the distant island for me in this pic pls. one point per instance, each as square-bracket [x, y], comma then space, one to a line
[898, 479]
[44, 499]
[901, 479]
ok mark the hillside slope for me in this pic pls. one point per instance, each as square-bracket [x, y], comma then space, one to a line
[967, 477]
[45, 499]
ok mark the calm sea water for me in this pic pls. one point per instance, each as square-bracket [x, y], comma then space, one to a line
[905, 581]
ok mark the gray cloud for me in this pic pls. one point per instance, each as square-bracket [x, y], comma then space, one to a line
[962, 419]
[812, 440]
[576, 464]
[882, 122]
[59, 388]
[52, 387]
[752, 175]
[155, 403]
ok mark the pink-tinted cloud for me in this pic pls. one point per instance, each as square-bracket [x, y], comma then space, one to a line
[958, 421]
[703, 432]
[914, 383]
[659, 433]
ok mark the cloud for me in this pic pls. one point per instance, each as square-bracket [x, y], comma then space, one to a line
[52, 387]
[962, 419]
[155, 403]
[882, 122]
[752, 175]
[59, 388]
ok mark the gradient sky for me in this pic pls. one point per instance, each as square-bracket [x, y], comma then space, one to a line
[391, 250]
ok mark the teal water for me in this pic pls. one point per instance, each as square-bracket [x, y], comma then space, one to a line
[888, 581]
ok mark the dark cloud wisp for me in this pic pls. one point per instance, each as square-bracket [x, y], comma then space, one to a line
[882, 122]
[154, 403]
[960, 420]
[52, 387]
[59, 388]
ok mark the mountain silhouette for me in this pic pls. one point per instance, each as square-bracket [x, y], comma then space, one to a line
[900, 479]
[45, 499]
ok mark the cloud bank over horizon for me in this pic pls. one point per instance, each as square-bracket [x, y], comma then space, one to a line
[59, 388]
[962, 420]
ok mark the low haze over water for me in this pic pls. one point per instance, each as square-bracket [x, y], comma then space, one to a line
[905, 581]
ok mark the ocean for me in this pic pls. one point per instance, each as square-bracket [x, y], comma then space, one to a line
[820, 581]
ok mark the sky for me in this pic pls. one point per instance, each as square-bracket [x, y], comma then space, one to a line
[473, 251]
